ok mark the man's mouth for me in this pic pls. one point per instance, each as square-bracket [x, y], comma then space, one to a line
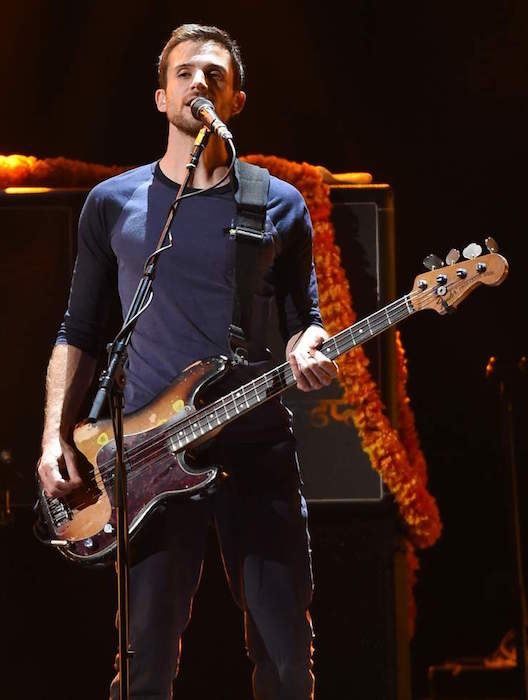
[191, 100]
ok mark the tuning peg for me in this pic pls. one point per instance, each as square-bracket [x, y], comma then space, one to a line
[491, 245]
[473, 250]
[433, 262]
[453, 256]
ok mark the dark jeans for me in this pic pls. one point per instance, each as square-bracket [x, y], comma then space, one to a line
[261, 523]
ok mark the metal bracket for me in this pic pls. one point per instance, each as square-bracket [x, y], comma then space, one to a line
[245, 233]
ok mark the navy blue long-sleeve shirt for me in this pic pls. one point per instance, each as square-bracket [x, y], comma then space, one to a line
[192, 307]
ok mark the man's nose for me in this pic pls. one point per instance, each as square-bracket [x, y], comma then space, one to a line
[199, 82]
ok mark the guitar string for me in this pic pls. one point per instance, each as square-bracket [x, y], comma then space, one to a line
[238, 396]
[347, 343]
[196, 419]
[148, 462]
[160, 458]
[151, 461]
[168, 460]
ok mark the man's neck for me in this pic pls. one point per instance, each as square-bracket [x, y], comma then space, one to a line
[211, 167]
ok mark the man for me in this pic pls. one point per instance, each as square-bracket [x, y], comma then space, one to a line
[258, 510]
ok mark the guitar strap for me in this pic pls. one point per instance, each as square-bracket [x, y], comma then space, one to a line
[251, 197]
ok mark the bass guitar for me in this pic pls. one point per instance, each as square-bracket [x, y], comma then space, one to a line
[159, 439]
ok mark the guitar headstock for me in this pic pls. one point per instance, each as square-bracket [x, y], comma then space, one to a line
[443, 288]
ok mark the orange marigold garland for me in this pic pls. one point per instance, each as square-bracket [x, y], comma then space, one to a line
[406, 424]
[28, 171]
[399, 461]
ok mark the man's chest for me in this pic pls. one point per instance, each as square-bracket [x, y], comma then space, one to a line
[202, 249]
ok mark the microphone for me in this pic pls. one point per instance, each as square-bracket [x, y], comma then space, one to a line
[203, 110]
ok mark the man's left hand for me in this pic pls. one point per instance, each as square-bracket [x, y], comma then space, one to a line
[311, 369]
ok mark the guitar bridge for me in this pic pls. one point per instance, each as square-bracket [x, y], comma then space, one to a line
[59, 511]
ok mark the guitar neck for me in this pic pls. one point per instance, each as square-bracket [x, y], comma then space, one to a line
[272, 383]
[368, 328]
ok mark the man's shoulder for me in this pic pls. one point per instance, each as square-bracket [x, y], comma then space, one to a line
[286, 205]
[281, 189]
[106, 200]
[124, 184]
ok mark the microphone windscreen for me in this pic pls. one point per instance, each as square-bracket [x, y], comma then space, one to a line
[197, 104]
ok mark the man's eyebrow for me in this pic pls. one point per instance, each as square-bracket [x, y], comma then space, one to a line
[216, 66]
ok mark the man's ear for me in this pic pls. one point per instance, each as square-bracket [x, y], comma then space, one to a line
[161, 100]
[239, 100]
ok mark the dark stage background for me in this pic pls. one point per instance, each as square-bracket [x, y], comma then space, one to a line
[429, 97]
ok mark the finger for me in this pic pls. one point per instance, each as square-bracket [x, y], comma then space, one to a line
[307, 367]
[325, 369]
[302, 383]
[318, 370]
[321, 377]
[53, 482]
[331, 365]
[56, 488]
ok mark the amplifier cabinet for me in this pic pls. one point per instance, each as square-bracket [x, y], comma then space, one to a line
[333, 464]
[38, 240]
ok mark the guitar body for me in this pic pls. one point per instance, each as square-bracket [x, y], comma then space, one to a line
[84, 522]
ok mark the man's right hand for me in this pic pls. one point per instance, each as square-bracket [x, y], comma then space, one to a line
[57, 469]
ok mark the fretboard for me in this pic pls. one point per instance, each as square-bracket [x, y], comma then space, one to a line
[250, 395]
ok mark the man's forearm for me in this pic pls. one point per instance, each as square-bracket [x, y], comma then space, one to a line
[70, 373]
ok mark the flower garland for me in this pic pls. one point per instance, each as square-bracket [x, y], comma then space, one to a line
[28, 171]
[397, 458]
[406, 424]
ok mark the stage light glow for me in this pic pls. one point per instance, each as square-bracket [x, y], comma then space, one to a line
[26, 190]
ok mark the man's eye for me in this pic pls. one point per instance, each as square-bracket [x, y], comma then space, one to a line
[184, 74]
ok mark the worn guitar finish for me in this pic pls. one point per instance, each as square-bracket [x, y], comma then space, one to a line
[87, 520]
[160, 439]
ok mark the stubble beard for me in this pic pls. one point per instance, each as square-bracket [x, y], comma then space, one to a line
[185, 123]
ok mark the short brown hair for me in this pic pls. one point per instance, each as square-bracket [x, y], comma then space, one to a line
[199, 32]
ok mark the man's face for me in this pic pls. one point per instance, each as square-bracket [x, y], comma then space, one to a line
[198, 69]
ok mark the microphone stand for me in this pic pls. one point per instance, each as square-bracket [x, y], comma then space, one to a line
[111, 386]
